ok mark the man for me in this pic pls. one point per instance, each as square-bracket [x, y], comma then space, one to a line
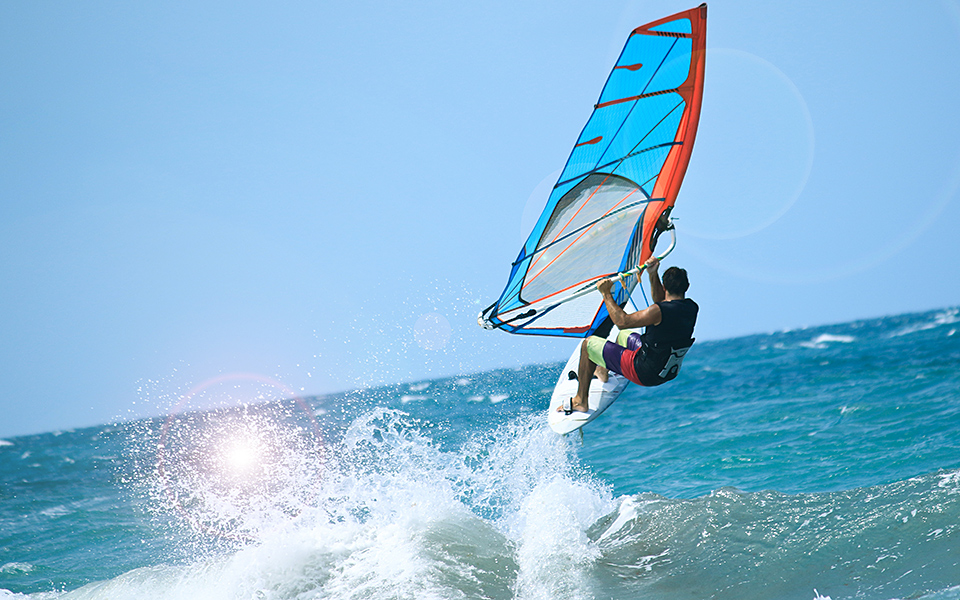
[649, 359]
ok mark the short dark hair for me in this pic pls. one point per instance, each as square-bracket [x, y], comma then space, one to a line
[675, 281]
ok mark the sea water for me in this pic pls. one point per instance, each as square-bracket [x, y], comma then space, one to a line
[809, 464]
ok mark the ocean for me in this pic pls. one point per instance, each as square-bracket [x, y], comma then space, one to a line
[809, 464]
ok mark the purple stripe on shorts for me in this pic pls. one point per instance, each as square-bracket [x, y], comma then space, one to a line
[612, 352]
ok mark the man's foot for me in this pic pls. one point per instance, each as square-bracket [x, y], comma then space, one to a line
[575, 413]
[602, 374]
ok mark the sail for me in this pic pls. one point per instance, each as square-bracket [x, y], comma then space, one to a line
[615, 194]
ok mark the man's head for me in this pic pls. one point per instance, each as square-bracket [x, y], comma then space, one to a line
[675, 281]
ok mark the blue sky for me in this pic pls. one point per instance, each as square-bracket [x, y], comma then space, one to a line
[193, 190]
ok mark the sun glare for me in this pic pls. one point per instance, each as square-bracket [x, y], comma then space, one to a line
[241, 456]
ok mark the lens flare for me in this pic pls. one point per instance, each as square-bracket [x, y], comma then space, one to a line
[235, 449]
[240, 458]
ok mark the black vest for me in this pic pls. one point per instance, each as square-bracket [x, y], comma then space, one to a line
[665, 345]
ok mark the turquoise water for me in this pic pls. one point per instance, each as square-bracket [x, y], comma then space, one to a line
[816, 463]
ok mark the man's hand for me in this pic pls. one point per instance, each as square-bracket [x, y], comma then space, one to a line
[652, 264]
[605, 286]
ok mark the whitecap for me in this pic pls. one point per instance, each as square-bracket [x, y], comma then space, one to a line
[626, 513]
[947, 317]
[408, 398]
[826, 337]
[949, 480]
[822, 340]
[56, 511]
[419, 387]
[5, 443]
[498, 398]
[16, 567]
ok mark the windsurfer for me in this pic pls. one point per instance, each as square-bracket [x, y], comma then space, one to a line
[649, 359]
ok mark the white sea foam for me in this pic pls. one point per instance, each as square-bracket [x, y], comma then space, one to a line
[5, 443]
[498, 398]
[56, 511]
[950, 481]
[822, 340]
[625, 515]
[395, 516]
[951, 593]
[16, 567]
[554, 553]
[947, 317]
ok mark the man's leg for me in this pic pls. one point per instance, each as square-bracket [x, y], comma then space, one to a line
[606, 326]
[629, 339]
[602, 373]
[584, 375]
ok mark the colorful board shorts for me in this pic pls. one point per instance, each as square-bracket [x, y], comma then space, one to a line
[617, 357]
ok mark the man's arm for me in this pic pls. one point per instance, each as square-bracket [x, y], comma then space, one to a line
[656, 288]
[621, 318]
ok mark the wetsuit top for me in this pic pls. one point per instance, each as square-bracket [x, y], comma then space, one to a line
[665, 345]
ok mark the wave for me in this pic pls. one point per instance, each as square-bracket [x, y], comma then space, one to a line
[891, 541]
[392, 512]
[393, 515]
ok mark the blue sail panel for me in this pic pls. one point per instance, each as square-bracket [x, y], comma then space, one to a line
[675, 26]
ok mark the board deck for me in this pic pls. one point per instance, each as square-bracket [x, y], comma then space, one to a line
[602, 395]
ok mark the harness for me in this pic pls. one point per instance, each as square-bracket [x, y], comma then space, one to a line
[665, 345]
